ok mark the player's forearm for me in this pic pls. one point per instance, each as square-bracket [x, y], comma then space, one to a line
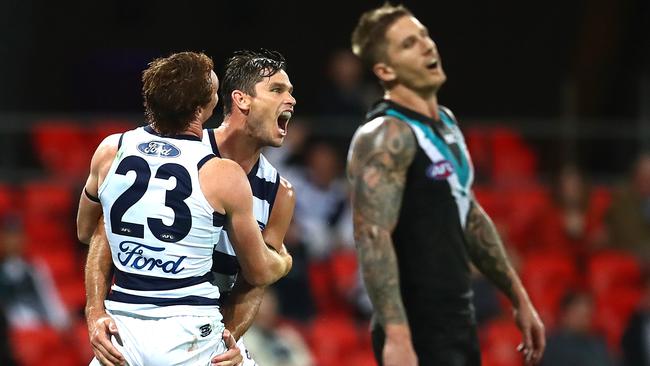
[489, 256]
[286, 258]
[380, 273]
[281, 263]
[98, 274]
[241, 308]
[266, 269]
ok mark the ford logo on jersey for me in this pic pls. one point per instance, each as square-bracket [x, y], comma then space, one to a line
[440, 170]
[132, 256]
[159, 148]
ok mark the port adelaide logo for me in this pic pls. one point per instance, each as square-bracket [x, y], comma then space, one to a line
[440, 170]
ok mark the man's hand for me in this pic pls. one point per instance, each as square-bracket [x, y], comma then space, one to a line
[100, 329]
[288, 260]
[232, 357]
[532, 330]
[398, 348]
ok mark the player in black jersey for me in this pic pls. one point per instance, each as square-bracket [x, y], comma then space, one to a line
[417, 224]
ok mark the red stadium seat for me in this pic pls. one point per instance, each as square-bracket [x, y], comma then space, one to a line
[362, 357]
[62, 148]
[344, 271]
[42, 347]
[610, 270]
[73, 294]
[613, 313]
[513, 161]
[320, 285]
[333, 338]
[62, 263]
[492, 201]
[7, 199]
[325, 290]
[547, 277]
[104, 128]
[52, 199]
[615, 280]
[525, 207]
[499, 341]
[477, 140]
[82, 341]
[601, 198]
[48, 216]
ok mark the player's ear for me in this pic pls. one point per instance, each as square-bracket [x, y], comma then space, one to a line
[241, 100]
[384, 72]
[198, 112]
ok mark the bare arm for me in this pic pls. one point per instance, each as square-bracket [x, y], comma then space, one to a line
[99, 270]
[379, 157]
[245, 299]
[99, 265]
[98, 275]
[489, 256]
[260, 265]
[90, 210]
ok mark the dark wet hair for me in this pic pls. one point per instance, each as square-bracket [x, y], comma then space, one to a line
[247, 68]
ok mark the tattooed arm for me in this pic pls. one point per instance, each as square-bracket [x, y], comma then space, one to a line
[380, 154]
[489, 256]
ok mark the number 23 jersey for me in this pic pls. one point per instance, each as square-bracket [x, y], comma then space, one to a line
[160, 227]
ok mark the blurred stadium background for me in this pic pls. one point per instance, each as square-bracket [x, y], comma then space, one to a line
[553, 98]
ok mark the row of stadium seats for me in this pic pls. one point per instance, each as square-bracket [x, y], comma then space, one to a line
[613, 278]
[64, 147]
[529, 221]
[514, 199]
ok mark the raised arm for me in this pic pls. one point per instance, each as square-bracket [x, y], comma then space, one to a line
[489, 256]
[260, 265]
[245, 299]
[379, 157]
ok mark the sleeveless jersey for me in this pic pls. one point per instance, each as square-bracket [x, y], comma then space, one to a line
[160, 226]
[265, 181]
[429, 236]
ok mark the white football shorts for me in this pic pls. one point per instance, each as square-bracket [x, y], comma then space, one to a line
[176, 340]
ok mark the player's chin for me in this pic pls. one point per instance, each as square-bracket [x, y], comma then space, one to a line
[440, 79]
[276, 142]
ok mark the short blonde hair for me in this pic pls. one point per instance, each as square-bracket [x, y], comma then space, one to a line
[369, 36]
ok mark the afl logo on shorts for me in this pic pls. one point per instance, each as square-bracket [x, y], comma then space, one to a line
[440, 170]
[159, 148]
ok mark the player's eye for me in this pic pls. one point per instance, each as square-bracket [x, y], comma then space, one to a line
[408, 43]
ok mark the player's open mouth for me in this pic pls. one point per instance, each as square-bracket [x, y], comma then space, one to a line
[433, 64]
[283, 121]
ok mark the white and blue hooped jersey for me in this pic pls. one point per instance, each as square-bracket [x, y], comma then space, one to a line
[265, 181]
[160, 226]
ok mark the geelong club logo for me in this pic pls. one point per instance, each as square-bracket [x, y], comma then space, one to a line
[205, 329]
